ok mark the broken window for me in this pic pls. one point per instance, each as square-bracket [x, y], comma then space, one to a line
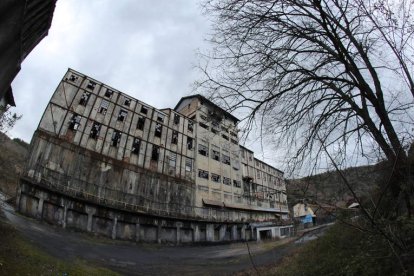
[104, 107]
[74, 122]
[204, 125]
[144, 109]
[84, 99]
[91, 85]
[160, 117]
[188, 165]
[225, 159]
[203, 174]
[190, 126]
[258, 174]
[237, 183]
[189, 143]
[225, 137]
[215, 131]
[136, 145]
[116, 138]
[109, 93]
[122, 115]
[215, 155]
[203, 150]
[233, 134]
[158, 130]
[174, 139]
[226, 181]
[127, 101]
[155, 153]
[96, 128]
[73, 78]
[215, 177]
[141, 123]
[172, 160]
[203, 117]
[176, 119]
[224, 129]
[234, 141]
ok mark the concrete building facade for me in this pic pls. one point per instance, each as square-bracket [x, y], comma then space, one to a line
[105, 162]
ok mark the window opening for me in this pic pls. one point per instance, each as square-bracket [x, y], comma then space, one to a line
[160, 117]
[84, 99]
[91, 85]
[144, 109]
[188, 165]
[73, 78]
[96, 128]
[215, 155]
[174, 139]
[225, 137]
[226, 181]
[190, 126]
[215, 177]
[155, 153]
[127, 102]
[104, 107]
[203, 150]
[203, 117]
[203, 174]
[237, 183]
[122, 115]
[74, 122]
[136, 145]
[116, 138]
[176, 119]
[173, 159]
[158, 130]
[204, 125]
[225, 159]
[141, 123]
[189, 143]
[109, 93]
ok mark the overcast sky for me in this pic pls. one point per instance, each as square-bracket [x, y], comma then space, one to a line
[146, 49]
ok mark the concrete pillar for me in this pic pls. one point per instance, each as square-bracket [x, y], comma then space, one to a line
[222, 232]
[40, 208]
[159, 230]
[114, 228]
[243, 233]
[234, 233]
[178, 226]
[90, 211]
[196, 232]
[252, 233]
[210, 232]
[257, 235]
[65, 213]
[137, 232]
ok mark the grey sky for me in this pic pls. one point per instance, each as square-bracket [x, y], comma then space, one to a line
[143, 48]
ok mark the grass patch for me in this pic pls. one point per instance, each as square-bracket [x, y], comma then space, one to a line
[20, 257]
[341, 251]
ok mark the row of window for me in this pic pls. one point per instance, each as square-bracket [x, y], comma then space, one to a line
[217, 178]
[215, 131]
[215, 155]
[259, 164]
[103, 108]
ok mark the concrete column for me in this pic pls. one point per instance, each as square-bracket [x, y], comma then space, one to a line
[234, 232]
[90, 211]
[40, 208]
[252, 233]
[222, 232]
[137, 232]
[65, 213]
[210, 232]
[196, 232]
[178, 226]
[243, 232]
[159, 230]
[114, 228]
[257, 235]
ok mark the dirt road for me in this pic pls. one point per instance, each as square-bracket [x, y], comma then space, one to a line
[148, 259]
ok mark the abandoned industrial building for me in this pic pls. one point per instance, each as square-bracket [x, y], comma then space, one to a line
[104, 162]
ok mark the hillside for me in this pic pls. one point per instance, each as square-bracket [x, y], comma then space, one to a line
[12, 158]
[330, 188]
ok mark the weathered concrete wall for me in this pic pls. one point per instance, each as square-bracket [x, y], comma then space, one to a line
[68, 212]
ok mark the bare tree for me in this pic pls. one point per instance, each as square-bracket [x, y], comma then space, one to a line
[325, 72]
